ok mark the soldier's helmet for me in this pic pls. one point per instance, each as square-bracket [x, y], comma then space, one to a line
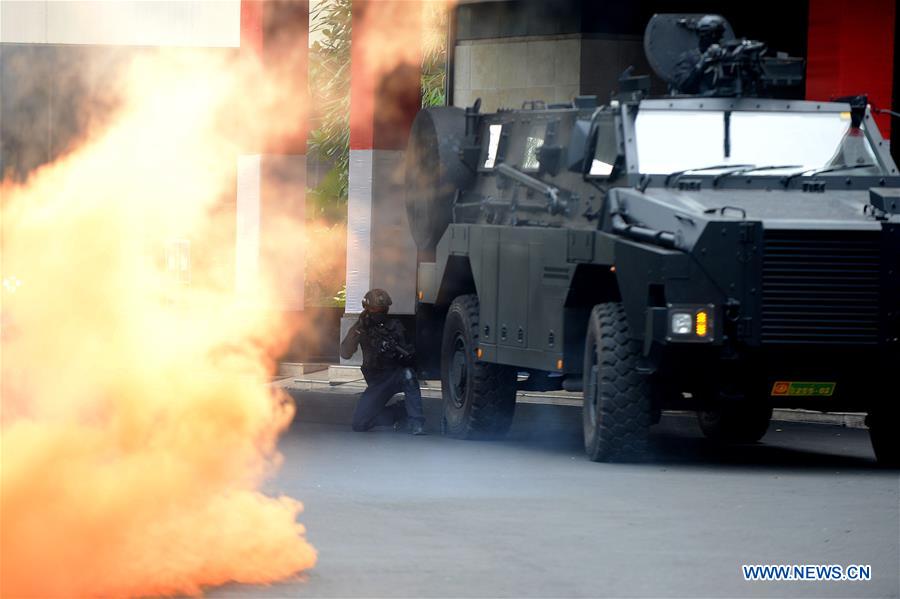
[376, 298]
[711, 28]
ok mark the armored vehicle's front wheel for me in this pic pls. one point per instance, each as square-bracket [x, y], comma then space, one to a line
[479, 398]
[883, 432]
[740, 423]
[617, 404]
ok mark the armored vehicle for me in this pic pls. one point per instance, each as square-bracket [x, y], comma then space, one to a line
[717, 252]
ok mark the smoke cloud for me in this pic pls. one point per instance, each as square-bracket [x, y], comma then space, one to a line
[137, 423]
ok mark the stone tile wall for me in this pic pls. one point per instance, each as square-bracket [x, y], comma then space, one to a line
[506, 72]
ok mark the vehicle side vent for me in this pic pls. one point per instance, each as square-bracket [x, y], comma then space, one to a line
[821, 287]
[556, 274]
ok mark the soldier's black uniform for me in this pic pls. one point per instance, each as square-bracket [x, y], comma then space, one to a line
[386, 373]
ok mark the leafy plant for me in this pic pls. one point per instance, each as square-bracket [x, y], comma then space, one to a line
[434, 54]
[340, 298]
[329, 77]
[325, 201]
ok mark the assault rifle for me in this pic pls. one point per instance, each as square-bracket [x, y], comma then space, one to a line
[382, 339]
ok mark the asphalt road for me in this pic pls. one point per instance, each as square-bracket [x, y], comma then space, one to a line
[399, 516]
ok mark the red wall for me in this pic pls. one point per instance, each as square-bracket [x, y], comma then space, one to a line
[251, 26]
[385, 76]
[851, 51]
[277, 33]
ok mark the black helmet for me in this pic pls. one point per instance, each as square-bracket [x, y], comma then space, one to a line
[711, 25]
[376, 298]
[710, 29]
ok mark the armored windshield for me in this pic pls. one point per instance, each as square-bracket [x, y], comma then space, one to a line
[796, 141]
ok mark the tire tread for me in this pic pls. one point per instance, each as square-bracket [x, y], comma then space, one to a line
[493, 386]
[620, 433]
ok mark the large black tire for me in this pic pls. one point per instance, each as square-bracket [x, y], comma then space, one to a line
[479, 398]
[434, 172]
[742, 422]
[884, 433]
[617, 400]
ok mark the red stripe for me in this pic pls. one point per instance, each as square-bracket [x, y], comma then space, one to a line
[851, 51]
[251, 25]
[362, 86]
[385, 72]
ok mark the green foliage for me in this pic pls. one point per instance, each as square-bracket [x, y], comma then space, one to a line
[329, 78]
[320, 296]
[433, 93]
[328, 201]
[340, 299]
[434, 55]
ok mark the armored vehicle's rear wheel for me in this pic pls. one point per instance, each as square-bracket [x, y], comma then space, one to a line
[479, 398]
[885, 436]
[617, 400]
[744, 422]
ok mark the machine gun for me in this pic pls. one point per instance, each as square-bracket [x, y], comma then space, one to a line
[699, 55]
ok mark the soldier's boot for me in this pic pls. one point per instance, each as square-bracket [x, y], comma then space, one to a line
[401, 422]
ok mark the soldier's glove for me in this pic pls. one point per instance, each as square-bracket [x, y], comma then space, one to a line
[715, 52]
[365, 321]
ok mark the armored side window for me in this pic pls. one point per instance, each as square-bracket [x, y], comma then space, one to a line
[606, 149]
[533, 143]
[494, 133]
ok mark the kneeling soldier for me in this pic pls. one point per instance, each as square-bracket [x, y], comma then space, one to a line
[387, 367]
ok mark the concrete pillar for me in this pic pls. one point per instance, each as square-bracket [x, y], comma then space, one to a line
[384, 99]
[271, 180]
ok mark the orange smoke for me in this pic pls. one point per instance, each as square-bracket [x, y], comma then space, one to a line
[326, 255]
[137, 423]
[399, 31]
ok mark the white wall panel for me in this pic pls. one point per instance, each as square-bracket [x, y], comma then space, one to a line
[269, 245]
[359, 228]
[193, 23]
[282, 249]
[246, 251]
[506, 72]
[22, 21]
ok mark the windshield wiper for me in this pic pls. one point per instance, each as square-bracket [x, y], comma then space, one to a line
[819, 171]
[714, 167]
[741, 171]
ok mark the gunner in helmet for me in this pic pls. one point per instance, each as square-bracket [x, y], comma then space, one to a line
[691, 75]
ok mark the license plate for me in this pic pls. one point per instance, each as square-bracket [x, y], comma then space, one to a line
[804, 389]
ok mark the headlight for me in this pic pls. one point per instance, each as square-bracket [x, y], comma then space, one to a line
[691, 323]
[681, 323]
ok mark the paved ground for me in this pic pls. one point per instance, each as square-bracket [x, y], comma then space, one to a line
[400, 516]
